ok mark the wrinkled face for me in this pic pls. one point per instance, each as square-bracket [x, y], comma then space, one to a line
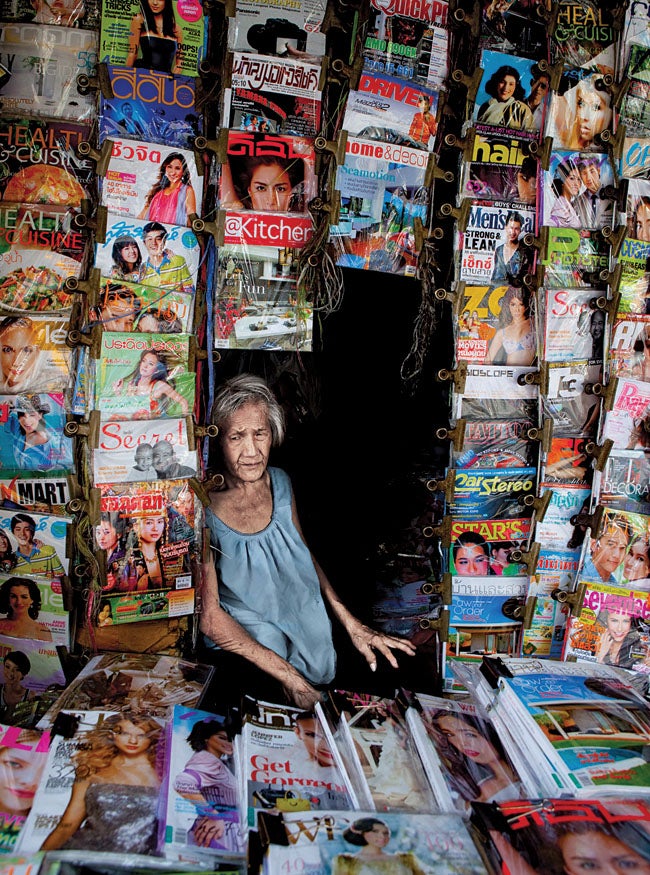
[637, 564]
[19, 599]
[590, 176]
[23, 534]
[219, 744]
[270, 188]
[18, 353]
[377, 837]
[642, 229]
[106, 536]
[466, 739]
[506, 88]
[152, 529]
[30, 421]
[246, 442]
[595, 852]
[315, 744]
[163, 457]
[129, 739]
[19, 778]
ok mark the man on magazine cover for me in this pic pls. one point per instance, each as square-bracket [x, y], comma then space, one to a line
[512, 259]
[163, 268]
[607, 553]
[594, 210]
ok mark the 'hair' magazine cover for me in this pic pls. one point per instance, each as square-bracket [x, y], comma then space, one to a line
[500, 168]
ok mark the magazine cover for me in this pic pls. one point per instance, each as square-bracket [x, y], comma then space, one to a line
[257, 303]
[143, 36]
[152, 182]
[485, 603]
[42, 494]
[543, 836]
[617, 552]
[382, 193]
[66, 13]
[151, 106]
[491, 382]
[462, 750]
[575, 259]
[501, 168]
[467, 644]
[501, 101]
[566, 461]
[496, 444]
[573, 411]
[37, 542]
[392, 110]
[633, 285]
[496, 323]
[127, 307]
[636, 158]
[492, 251]
[635, 106]
[32, 607]
[585, 36]
[638, 210]
[625, 482]
[492, 493]
[138, 606]
[410, 45]
[556, 530]
[401, 595]
[43, 63]
[556, 569]
[143, 451]
[579, 111]
[625, 423]
[202, 792]
[273, 96]
[287, 762]
[35, 355]
[628, 354]
[149, 533]
[40, 164]
[39, 250]
[286, 29]
[268, 173]
[32, 439]
[482, 547]
[573, 329]
[89, 801]
[145, 683]
[613, 627]
[514, 25]
[29, 669]
[575, 191]
[23, 753]
[144, 376]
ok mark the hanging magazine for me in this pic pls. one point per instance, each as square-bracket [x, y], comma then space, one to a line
[576, 189]
[285, 29]
[629, 351]
[30, 679]
[492, 493]
[38, 542]
[496, 443]
[625, 423]
[500, 102]
[574, 329]
[66, 13]
[144, 451]
[580, 111]
[496, 323]
[22, 760]
[123, 306]
[492, 251]
[573, 411]
[480, 548]
[501, 168]
[42, 494]
[633, 286]
[576, 259]
[585, 36]
[32, 438]
[33, 605]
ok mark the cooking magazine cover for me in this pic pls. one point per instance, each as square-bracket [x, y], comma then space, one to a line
[124, 306]
[130, 35]
[273, 95]
[40, 164]
[585, 36]
[501, 168]
[152, 182]
[144, 376]
[382, 194]
[496, 324]
[284, 29]
[144, 450]
[151, 106]
[492, 250]
[43, 63]
[32, 439]
[149, 533]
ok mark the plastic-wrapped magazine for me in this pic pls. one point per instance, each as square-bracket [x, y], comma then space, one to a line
[144, 376]
[151, 106]
[492, 493]
[542, 836]
[580, 110]
[382, 194]
[466, 646]
[576, 259]
[151, 604]
[638, 210]
[496, 324]
[573, 329]
[42, 494]
[492, 251]
[585, 36]
[628, 354]
[38, 359]
[617, 555]
[124, 306]
[273, 95]
[143, 451]
[130, 36]
[625, 423]
[483, 547]
[635, 161]
[633, 285]
[635, 107]
[384, 751]
[149, 532]
[514, 25]
[202, 805]
[567, 499]
[89, 800]
[501, 168]
[498, 382]
[402, 595]
[496, 443]
[636, 30]
[625, 482]
[405, 114]
[15, 865]
[288, 763]
[410, 45]
[286, 29]
[556, 569]
[152, 182]
[38, 542]
[140, 682]
[148, 252]
[284, 186]
[33, 607]
[30, 679]
[68, 13]
[481, 605]
[31, 434]
[23, 753]
[613, 626]
[506, 409]
[566, 461]
[575, 191]
[461, 753]
[573, 411]
[43, 63]
[500, 102]
[40, 249]
[40, 162]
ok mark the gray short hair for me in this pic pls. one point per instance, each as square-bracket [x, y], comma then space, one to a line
[248, 389]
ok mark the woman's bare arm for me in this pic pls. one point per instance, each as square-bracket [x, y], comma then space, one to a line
[71, 819]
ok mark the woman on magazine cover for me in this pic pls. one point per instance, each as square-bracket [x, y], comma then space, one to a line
[20, 600]
[19, 353]
[127, 259]
[372, 836]
[35, 446]
[8, 558]
[514, 342]
[171, 198]
[149, 381]
[156, 36]
[16, 666]
[269, 184]
[578, 127]
[114, 800]
[20, 774]
[506, 107]
[144, 568]
[566, 185]
[619, 638]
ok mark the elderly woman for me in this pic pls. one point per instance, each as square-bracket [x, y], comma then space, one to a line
[265, 599]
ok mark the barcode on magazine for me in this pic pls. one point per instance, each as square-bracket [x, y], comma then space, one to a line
[180, 836]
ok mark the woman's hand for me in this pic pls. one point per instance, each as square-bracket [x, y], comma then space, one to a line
[367, 641]
[604, 646]
[207, 830]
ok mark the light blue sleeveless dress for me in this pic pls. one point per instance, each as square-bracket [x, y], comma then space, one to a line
[268, 583]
